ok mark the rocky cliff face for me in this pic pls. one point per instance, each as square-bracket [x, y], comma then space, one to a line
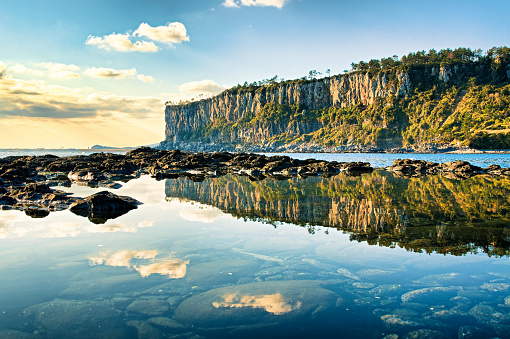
[337, 91]
[365, 112]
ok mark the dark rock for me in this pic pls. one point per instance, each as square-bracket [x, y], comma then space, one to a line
[35, 212]
[7, 200]
[103, 205]
[37, 188]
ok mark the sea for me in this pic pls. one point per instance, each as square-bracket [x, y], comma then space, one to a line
[368, 256]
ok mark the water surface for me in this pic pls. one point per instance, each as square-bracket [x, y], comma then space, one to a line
[368, 257]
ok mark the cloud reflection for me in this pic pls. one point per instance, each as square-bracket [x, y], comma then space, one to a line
[272, 303]
[144, 262]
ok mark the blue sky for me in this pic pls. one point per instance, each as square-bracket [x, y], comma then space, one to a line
[79, 73]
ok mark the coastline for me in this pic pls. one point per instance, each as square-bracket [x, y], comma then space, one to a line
[317, 148]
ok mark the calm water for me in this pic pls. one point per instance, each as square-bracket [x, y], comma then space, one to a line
[374, 256]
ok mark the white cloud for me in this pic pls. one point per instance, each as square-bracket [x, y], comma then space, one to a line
[230, 3]
[57, 67]
[173, 32]
[49, 69]
[205, 86]
[64, 75]
[3, 70]
[36, 98]
[145, 78]
[102, 72]
[121, 43]
[238, 3]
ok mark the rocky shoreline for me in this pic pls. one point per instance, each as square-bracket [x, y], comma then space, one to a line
[30, 183]
[273, 147]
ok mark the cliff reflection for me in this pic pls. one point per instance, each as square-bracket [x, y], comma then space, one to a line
[272, 303]
[432, 214]
[145, 262]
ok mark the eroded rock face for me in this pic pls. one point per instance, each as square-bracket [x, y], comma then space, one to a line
[337, 91]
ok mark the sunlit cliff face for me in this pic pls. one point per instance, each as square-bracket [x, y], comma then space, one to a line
[172, 267]
[271, 303]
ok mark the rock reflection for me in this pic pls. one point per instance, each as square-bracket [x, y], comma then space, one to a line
[144, 262]
[432, 214]
[271, 303]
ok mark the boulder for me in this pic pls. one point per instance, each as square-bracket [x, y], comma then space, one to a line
[103, 205]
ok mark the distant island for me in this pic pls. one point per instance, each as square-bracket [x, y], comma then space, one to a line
[101, 147]
[439, 100]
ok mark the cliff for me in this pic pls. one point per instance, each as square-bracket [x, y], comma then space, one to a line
[183, 121]
[415, 103]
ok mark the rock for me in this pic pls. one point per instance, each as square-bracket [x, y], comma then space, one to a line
[495, 287]
[7, 200]
[453, 316]
[393, 321]
[103, 205]
[145, 330]
[78, 319]
[256, 303]
[35, 212]
[425, 334]
[472, 332]
[428, 295]
[486, 314]
[165, 323]
[442, 279]
[13, 334]
[507, 301]
[149, 307]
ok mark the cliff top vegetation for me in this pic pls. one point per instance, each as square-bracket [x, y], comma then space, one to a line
[492, 59]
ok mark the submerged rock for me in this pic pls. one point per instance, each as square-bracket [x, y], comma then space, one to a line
[149, 307]
[256, 303]
[78, 319]
[428, 295]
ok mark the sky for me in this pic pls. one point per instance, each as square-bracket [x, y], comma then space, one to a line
[78, 73]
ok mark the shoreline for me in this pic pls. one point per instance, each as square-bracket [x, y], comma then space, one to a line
[317, 148]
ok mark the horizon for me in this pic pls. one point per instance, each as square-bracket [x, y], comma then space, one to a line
[67, 80]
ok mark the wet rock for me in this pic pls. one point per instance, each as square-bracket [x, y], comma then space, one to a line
[453, 316]
[35, 212]
[495, 287]
[442, 279]
[503, 331]
[425, 334]
[7, 200]
[363, 285]
[428, 295]
[165, 323]
[149, 307]
[486, 314]
[13, 334]
[348, 274]
[385, 290]
[78, 319]
[393, 321]
[257, 303]
[472, 332]
[103, 205]
[145, 330]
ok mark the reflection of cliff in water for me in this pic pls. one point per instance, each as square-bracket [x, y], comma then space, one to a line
[432, 213]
